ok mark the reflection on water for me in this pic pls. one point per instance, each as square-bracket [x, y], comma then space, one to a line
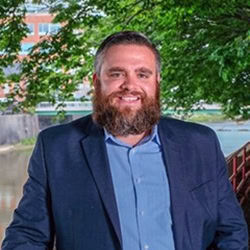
[232, 135]
[13, 174]
[232, 140]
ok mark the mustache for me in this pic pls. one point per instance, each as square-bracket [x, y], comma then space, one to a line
[124, 92]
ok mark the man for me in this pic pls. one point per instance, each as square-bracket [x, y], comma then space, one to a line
[125, 178]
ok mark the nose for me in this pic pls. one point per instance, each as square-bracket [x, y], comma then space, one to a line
[129, 82]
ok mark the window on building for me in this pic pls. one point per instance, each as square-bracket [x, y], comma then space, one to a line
[43, 28]
[31, 28]
[48, 28]
[26, 47]
[54, 28]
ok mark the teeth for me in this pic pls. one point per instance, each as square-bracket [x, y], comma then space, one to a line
[129, 98]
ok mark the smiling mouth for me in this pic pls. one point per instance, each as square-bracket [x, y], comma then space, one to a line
[129, 98]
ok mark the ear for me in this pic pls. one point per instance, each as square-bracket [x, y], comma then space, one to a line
[158, 78]
[95, 80]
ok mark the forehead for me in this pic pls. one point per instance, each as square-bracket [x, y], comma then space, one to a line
[129, 54]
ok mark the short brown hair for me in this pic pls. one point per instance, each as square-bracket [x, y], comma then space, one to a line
[125, 37]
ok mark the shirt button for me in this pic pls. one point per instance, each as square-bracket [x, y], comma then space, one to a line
[141, 213]
[138, 180]
[146, 247]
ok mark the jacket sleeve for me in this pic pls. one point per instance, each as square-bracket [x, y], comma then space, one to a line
[232, 232]
[32, 225]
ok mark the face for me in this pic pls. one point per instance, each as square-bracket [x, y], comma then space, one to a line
[126, 97]
[128, 74]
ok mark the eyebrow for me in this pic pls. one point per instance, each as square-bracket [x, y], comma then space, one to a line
[144, 70]
[115, 69]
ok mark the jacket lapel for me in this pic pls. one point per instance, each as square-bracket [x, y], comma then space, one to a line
[173, 149]
[179, 188]
[95, 152]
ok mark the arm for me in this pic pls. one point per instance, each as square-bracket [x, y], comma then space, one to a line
[32, 227]
[232, 233]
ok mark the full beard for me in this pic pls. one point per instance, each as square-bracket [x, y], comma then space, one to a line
[126, 121]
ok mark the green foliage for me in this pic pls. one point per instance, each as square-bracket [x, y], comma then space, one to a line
[204, 47]
[11, 21]
[28, 141]
[206, 118]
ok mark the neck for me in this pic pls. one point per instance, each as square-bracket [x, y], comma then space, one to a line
[133, 139]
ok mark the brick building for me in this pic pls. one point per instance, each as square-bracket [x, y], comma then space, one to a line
[39, 23]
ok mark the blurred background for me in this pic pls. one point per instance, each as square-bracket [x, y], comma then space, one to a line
[46, 65]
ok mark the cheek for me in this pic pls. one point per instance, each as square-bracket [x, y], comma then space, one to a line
[150, 90]
[109, 87]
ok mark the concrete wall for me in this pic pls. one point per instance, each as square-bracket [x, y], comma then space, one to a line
[14, 128]
[46, 121]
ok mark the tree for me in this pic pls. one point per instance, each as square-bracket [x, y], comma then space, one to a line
[204, 47]
[11, 21]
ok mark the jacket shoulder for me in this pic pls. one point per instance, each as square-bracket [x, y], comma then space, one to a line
[184, 127]
[185, 131]
[76, 128]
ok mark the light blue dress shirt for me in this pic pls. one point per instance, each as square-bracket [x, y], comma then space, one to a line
[142, 193]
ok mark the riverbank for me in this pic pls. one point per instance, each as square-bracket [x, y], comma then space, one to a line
[17, 127]
[213, 118]
[204, 118]
[227, 130]
[6, 148]
[19, 146]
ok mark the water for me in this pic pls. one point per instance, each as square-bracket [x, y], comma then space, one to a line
[231, 135]
[13, 166]
[232, 140]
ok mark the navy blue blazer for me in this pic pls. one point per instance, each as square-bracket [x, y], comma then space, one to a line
[69, 196]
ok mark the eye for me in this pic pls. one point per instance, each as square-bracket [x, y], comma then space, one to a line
[116, 74]
[143, 75]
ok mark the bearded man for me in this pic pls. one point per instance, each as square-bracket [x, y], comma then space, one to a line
[125, 177]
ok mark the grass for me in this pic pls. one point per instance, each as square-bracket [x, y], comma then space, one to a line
[23, 145]
[26, 144]
[206, 118]
[28, 141]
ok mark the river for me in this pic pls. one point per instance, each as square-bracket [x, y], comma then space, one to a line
[13, 166]
[231, 135]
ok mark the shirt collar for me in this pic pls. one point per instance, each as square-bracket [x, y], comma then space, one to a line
[153, 136]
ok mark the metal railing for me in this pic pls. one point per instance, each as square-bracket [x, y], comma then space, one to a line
[239, 171]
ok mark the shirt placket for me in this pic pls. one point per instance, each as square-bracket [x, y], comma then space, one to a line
[138, 181]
